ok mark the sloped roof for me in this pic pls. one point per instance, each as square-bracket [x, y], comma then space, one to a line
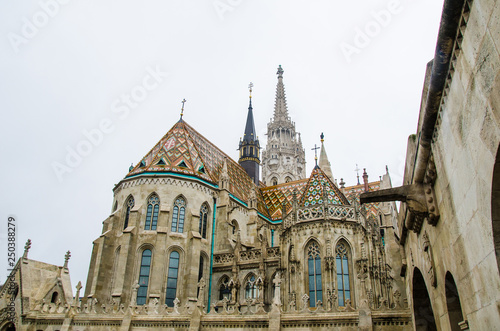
[275, 196]
[314, 192]
[185, 151]
[352, 193]
[309, 192]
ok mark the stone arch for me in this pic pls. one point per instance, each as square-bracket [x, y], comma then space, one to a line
[495, 206]
[249, 286]
[235, 227]
[308, 241]
[127, 206]
[179, 220]
[453, 302]
[223, 289]
[343, 250]
[422, 308]
[8, 326]
[204, 221]
[313, 270]
[175, 263]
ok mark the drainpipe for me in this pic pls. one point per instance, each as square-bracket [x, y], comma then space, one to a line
[450, 20]
[212, 256]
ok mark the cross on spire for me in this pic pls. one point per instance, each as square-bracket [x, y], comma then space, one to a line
[357, 172]
[250, 88]
[315, 149]
[182, 110]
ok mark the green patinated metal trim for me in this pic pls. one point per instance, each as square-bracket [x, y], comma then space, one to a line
[211, 256]
[174, 174]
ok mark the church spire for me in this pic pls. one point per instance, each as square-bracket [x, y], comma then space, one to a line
[250, 134]
[249, 147]
[280, 108]
[324, 164]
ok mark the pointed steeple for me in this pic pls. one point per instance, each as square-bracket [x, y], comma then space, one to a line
[324, 164]
[280, 108]
[249, 146]
[250, 134]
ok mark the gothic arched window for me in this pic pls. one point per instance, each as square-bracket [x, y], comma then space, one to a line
[342, 264]
[142, 292]
[274, 181]
[251, 290]
[178, 215]
[152, 214]
[173, 273]
[130, 205]
[235, 227]
[314, 267]
[224, 289]
[288, 179]
[203, 220]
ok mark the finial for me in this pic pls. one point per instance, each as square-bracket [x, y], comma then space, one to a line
[27, 248]
[131, 167]
[322, 136]
[66, 259]
[250, 88]
[280, 72]
[182, 110]
[357, 172]
[315, 149]
[386, 169]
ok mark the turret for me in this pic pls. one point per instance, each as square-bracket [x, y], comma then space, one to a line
[249, 146]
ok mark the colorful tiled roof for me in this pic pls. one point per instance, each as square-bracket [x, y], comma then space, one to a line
[275, 196]
[314, 193]
[352, 193]
[185, 151]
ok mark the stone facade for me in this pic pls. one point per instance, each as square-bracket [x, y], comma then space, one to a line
[283, 160]
[448, 225]
[193, 242]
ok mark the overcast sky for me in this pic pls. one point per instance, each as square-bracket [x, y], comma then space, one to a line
[353, 70]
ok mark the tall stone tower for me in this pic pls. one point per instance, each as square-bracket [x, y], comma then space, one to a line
[249, 147]
[283, 160]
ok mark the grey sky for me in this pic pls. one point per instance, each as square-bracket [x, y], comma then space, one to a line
[69, 75]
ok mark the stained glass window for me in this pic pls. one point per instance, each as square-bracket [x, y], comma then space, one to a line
[173, 273]
[178, 215]
[152, 213]
[142, 292]
[251, 290]
[342, 264]
[314, 273]
[224, 290]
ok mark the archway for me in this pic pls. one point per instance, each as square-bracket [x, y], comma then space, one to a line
[8, 327]
[495, 206]
[453, 302]
[422, 309]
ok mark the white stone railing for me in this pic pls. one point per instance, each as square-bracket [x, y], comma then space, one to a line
[322, 212]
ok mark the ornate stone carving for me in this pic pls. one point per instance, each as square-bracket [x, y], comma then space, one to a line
[430, 259]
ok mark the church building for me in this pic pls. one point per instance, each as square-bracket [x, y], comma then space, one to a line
[197, 240]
